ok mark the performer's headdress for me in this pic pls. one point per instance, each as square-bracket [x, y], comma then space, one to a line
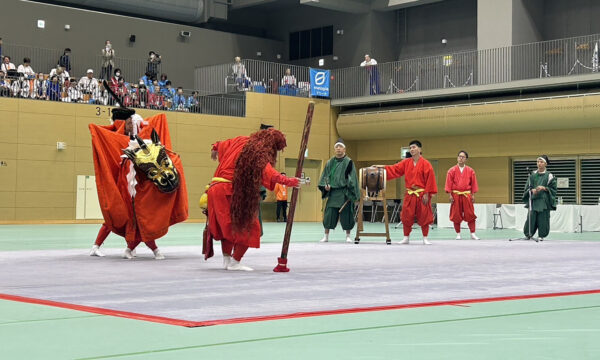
[544, 158]
[340, 141]
[261, 148]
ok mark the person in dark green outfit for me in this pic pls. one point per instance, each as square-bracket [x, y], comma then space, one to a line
[543, 199]
[339, 185]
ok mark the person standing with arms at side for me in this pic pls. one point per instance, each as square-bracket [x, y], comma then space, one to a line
[339, 184]
[461, 186]
[419, 181]
[281, 196]
[543, 199]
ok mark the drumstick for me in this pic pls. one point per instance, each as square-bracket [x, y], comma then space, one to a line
[343, 206]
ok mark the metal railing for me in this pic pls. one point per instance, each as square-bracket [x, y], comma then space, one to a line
[255, 76]
[68, 90]
[562, 57]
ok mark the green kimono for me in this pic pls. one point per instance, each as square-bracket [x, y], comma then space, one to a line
[340, 175]
[541, 203]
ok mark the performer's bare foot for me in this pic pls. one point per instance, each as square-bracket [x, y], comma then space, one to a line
[127, 254]
[474, 237]
[96, 251]
[158, 255]
[404, 241]
[235, 265]
[226, 261]
[458, 237]
[425, 241]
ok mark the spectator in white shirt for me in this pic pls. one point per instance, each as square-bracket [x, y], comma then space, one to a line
[288, 79]
[26, 69]
[239, 73]
[60, 73]
[373, 74]
[39, 87]
[20, 87]
[88, 85]
[7, 65]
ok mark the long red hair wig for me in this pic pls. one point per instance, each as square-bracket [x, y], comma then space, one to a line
[261, 148]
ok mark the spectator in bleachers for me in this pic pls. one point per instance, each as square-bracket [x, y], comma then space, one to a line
[20, 87]
[1, 56]
[114, 81]
[88, 86]
[7, 65]
[73, 94]
[179, 100]
[288, 79]
[26, 69]
[168, 92]
[53, 89]
[122, 92]
[194, 102]
[4, 84]
[108, 56]
[39, 87]
[65, 60]
[155, 99]
[153, 61]
[239, 73]
[152, 86]
[163, 81]
[371, 65]
[146, 79]
[142, 96]
[61, 74]
[102, 96]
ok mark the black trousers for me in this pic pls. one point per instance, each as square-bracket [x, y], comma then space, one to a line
[282, 205]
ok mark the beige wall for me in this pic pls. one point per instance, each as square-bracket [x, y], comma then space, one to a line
[39, 182]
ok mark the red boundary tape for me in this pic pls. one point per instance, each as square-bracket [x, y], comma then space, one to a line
[186, 323]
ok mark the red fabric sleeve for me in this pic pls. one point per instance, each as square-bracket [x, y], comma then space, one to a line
[474, 186]
[449, 180]
[431, 186]
[394, 171]
[270, 177]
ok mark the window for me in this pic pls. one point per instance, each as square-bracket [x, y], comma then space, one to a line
[558, 168]
[590, 186]
[311, 43]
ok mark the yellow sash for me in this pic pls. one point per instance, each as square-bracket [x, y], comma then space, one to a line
[415, 192]
[203, 202]
[465, 193]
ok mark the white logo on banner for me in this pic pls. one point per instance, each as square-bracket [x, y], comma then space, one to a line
[320, 78]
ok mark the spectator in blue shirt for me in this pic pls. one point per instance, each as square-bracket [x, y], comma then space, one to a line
[65, 60]
[53, 89]
[168, 92]
[179, 100]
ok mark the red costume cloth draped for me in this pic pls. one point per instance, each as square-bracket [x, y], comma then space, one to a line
[462, 207]
[154, 211]
[419, 176]
[219, 194]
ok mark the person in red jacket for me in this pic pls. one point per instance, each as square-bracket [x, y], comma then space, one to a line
[461, 186]
[420, 185]
[245, 162]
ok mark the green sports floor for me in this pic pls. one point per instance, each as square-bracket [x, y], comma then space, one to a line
[558, 327]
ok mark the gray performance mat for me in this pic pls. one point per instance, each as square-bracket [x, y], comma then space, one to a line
[323, 277]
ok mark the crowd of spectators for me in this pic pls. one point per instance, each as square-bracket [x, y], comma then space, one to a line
[59, 85]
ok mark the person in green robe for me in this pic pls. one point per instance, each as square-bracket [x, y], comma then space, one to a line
[339, 186]
[543, 199]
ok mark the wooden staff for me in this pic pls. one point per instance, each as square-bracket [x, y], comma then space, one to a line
[282, 261]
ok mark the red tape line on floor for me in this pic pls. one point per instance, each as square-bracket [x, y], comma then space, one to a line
[186, 323]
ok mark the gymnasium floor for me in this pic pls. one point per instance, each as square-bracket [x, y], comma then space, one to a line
[488, 299]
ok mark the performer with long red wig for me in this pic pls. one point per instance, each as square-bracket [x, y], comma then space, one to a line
[245, 162]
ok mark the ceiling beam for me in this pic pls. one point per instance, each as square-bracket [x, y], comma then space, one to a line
[349, 6]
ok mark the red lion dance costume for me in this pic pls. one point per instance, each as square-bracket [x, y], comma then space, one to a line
[143, 192]
[245, 162]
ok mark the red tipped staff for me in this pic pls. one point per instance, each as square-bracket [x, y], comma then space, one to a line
[282, 261]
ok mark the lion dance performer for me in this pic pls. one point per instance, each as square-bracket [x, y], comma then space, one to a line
[245, 162]
[140, 181]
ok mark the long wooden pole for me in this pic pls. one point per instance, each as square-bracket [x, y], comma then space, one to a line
[282, 261]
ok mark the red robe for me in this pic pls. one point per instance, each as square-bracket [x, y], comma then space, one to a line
[154, 211]
[219, 194]
[462, 207]
[420, 176]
